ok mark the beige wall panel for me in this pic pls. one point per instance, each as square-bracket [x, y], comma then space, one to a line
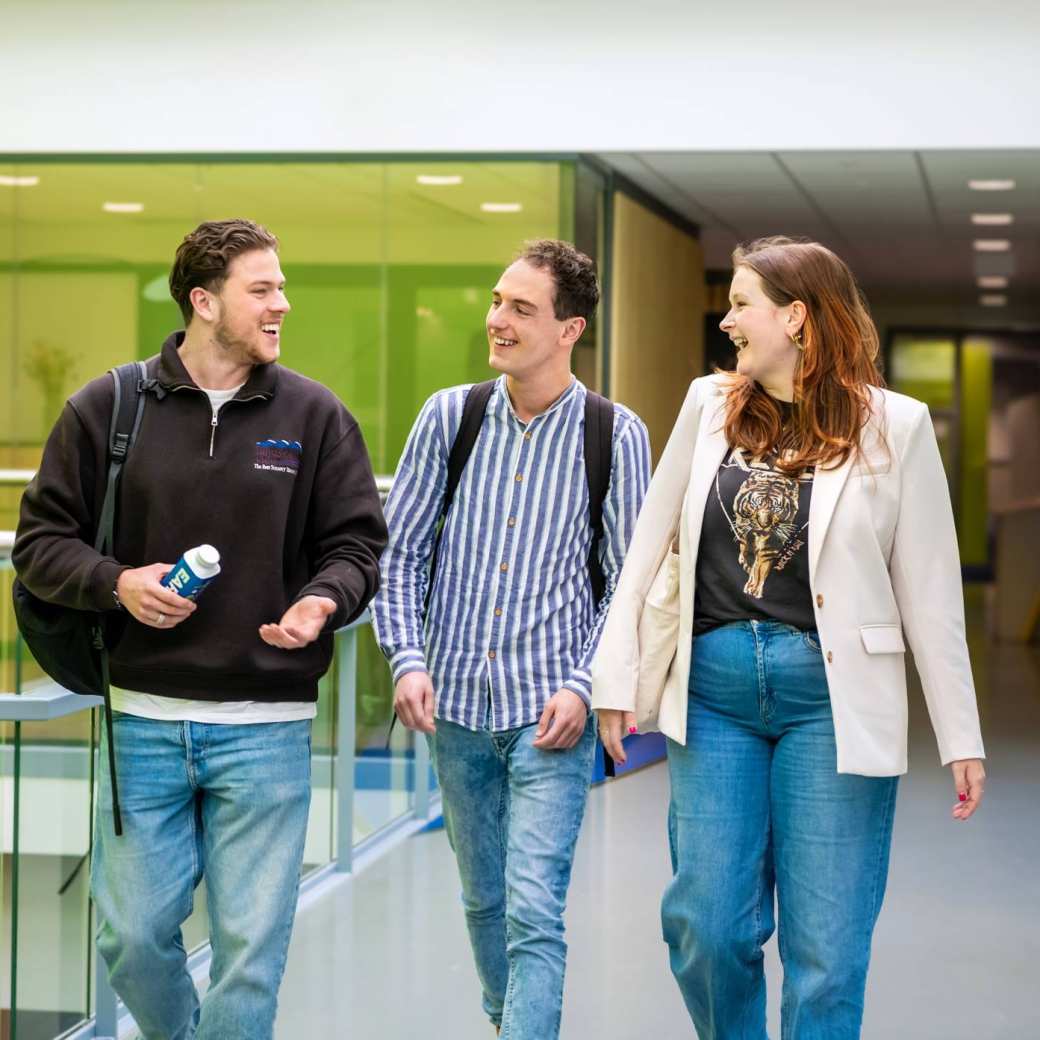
[657, 316]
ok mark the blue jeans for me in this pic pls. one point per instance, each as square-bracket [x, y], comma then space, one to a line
[512, 813]
[758, 805]
[222, 802]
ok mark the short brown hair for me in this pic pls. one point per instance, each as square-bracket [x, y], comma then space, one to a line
[205, 255]
[574, 274]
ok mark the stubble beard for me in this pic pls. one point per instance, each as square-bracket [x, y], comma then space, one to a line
[234, 348]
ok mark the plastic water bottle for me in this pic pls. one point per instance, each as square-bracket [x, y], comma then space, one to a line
[190, 575]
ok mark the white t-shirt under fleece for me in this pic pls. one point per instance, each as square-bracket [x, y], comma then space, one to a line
[236, 713]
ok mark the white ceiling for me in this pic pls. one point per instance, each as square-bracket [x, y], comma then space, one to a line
[900, 218]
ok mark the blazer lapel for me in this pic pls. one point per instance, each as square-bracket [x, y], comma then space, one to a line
[827, 487]
[707, 457]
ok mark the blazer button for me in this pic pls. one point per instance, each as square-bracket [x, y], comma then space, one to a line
[830, 657]
[819, 599]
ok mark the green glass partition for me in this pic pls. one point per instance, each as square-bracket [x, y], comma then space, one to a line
[389, 269]
[953, 375]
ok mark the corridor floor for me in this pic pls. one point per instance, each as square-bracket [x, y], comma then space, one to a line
[955, 957]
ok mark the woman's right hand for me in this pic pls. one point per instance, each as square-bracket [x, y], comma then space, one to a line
[614, 726]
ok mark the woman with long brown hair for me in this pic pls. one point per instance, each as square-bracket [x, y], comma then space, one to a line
[797, 527]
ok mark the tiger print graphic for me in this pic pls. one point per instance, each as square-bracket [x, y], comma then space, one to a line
[764, 521]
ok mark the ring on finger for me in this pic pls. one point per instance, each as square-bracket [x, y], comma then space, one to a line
[160, 618]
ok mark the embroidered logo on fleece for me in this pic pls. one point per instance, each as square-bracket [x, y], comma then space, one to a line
[278, 456]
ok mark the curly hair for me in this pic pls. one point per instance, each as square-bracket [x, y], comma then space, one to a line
[203, 258]
[573, 273]
[837, 365]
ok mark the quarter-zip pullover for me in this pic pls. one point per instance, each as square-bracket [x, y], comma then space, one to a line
[285, 492]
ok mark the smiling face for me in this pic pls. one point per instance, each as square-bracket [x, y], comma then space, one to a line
[246, 314]
[524, 335]
[761, 331]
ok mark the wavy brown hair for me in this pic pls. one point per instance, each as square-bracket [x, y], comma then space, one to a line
[205, 255]
[837, 365]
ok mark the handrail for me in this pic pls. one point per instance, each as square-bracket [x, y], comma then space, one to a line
[48, 700]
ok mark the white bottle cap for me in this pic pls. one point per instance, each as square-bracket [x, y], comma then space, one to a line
[208, 556]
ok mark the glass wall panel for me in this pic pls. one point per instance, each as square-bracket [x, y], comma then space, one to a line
[46, 776]
[389, 270]
[926, 368]
[953, 375]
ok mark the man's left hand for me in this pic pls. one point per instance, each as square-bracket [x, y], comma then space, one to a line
[562, 723]
[301, 624]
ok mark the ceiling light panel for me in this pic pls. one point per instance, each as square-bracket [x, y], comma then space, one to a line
[996, 184]
[993, 300]
[992, 219]
[501, 207]
[439, 180]
[7, 181]
[992, 245]
[992, 281]
[122, 207]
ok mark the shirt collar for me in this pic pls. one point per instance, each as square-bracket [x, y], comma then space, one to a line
[573, 392]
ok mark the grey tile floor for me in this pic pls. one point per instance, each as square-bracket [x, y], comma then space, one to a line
[956, 952]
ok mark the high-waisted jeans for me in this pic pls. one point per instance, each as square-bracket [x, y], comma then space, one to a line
[758, 808]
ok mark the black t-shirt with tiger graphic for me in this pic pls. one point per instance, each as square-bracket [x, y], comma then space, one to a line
[753, 560]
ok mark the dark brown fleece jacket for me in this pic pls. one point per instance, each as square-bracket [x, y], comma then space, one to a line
[282, 486]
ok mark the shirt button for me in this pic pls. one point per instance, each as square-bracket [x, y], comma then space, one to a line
[519, 477]
[491, 654]
[504, 567]
[830, 657]
[498, 611]
[512, 521]
[819, 599]
[527, 436]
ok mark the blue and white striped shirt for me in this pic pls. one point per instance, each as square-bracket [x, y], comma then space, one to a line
[511, 617]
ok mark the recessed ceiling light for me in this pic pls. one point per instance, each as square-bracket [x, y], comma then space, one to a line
[992, 219]
[992, 185]
[992, 245]
[439, 180]
[18, 182]
[992, 281]
[501, 207]
[122, 207]
[993, 300]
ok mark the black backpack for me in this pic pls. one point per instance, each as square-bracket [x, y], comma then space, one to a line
[599, 434]
[71, 645]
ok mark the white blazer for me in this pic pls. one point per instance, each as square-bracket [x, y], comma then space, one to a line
[883, 561]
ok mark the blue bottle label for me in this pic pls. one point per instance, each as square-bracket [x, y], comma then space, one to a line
[184, 581]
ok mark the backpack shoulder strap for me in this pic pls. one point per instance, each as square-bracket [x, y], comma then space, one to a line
[466, 437]
[461, 449]
[127, 410]
[599, 435]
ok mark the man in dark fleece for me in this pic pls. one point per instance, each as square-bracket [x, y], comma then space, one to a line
[211, 701]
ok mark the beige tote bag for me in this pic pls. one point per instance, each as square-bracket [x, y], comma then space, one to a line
[658, 641]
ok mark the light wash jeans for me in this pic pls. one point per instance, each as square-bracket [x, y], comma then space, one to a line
[512, 813]
[757, 805]
[227, 803]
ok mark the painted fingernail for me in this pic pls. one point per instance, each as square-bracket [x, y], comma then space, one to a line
[631, 729]
[962, 796]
